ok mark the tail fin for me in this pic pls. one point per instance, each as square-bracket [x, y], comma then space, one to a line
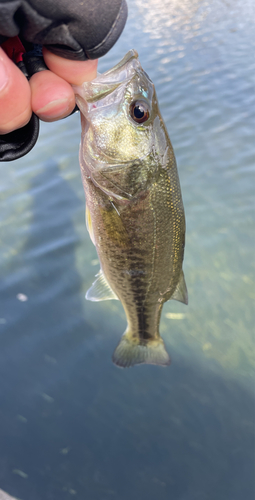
[133, 351]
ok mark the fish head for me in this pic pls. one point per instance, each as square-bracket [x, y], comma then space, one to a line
[123, 135]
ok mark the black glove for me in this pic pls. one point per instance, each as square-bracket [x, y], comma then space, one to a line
[71, 29]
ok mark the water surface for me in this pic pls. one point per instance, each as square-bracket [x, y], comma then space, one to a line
[72, 425]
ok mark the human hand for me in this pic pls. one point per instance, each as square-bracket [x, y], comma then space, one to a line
[74, 34]
[48, 93]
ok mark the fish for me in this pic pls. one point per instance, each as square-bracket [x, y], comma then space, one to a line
[134, 208]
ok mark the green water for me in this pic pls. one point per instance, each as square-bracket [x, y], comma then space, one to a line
[72, 425]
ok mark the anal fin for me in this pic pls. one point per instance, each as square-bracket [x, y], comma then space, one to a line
[100, 289]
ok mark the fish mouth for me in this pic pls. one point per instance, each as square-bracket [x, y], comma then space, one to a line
[105, 83]
[131, 54]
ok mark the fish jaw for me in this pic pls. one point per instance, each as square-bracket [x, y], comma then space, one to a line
[105, 83]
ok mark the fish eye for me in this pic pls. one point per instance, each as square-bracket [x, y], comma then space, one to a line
[139, 111]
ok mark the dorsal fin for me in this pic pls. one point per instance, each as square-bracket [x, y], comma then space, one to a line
[100, 289]
[89, 225]
[181, 292]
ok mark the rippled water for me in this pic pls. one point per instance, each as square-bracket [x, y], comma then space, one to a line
[72, 425]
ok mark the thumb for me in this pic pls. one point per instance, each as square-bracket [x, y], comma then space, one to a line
[15, 96]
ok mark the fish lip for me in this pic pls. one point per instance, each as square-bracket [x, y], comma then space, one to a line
[131, 54]
[105, 83]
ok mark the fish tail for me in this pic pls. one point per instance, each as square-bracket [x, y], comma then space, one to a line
[134, 351]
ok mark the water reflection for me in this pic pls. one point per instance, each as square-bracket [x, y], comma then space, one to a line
[162, 19]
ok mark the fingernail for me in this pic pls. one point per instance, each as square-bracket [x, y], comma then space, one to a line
[54, 109]
[3, 75]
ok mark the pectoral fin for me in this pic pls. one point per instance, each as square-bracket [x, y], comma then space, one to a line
[100, 289]
[89, 225]
[181, 292]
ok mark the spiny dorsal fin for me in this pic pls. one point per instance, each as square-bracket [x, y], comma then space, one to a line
[89, 225]
[181, 292]
[100, 289]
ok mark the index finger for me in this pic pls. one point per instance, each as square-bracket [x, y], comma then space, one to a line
[74, 72]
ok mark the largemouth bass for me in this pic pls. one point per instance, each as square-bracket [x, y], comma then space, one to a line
[134, 209]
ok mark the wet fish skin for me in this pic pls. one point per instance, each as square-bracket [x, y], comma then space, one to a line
[135, 212]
